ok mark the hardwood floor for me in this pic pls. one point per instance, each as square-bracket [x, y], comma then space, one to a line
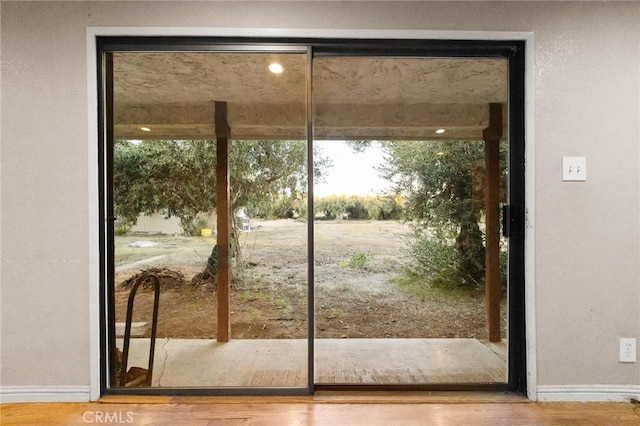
[319, 410]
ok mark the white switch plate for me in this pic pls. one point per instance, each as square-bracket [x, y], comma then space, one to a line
[574, 169]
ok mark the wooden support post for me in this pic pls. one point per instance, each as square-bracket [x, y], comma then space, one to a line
[492, 136]
[223, 279]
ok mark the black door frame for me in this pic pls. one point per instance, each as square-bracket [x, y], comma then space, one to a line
[512, 50]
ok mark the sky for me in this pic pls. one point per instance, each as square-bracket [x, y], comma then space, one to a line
[352, 173]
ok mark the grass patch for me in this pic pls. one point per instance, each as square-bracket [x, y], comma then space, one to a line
[420, 287]
[284, 304]
[251, 295]
[357, 260]
[189, 250]
[334, 313]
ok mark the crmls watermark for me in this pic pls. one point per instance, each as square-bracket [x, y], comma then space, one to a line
[107, 417]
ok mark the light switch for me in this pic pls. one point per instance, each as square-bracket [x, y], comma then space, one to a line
[574, 169]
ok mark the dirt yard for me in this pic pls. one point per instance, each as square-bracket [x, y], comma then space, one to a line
[355, 291]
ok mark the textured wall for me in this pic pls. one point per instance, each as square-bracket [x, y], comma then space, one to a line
[587, 102]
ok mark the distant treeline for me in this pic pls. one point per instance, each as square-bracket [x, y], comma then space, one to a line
[341, 207]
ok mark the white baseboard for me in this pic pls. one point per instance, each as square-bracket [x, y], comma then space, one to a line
[44, 394]
[588, 393]
[564, 393]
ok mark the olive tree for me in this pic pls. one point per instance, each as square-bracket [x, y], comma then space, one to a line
[443, 182]
[178, 178]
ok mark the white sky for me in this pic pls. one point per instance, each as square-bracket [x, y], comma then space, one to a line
[352, 173]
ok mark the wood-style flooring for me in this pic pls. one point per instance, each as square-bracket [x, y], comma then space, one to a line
[399, 409]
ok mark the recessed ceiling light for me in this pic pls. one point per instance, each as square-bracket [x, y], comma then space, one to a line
[276, 68]
[440, 131]
[145, 129]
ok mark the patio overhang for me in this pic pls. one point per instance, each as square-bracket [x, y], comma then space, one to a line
[173, 94]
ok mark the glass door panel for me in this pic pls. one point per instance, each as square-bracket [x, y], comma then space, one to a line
[406, 204]
[182, 122]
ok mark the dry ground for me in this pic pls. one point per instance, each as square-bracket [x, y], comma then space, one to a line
[269, 299]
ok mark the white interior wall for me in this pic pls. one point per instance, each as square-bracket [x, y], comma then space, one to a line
[587, 103]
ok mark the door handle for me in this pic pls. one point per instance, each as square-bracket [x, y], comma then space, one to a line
[507, 213]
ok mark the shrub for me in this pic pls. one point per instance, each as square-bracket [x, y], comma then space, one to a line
[283, 207]
[122, 230]
[357, 207]
[431, 259]
[200, 224]
[357, 260]
[435, 258]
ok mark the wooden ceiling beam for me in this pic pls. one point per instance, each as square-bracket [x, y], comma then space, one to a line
[291, 114]
[287, 121]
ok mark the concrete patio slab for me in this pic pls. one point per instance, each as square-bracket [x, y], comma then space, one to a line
[283, 363]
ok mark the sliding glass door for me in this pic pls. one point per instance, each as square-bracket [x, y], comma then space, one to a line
[209, 196]
[404, 287]
[280, 218]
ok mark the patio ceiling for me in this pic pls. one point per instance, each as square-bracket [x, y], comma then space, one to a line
[362, 98]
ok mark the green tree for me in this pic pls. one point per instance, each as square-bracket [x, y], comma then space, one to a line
[175, 178]
[178, 178]
[443, 184]
[265, 172]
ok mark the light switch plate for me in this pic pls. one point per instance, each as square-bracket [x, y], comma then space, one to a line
[574, 169]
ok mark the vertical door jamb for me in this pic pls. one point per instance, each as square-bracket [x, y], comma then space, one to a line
[310, 228]
[110, 218]
[517, 329]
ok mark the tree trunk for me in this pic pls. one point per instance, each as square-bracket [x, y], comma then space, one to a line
[188, 226]
[208, 275]
[470, 248]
